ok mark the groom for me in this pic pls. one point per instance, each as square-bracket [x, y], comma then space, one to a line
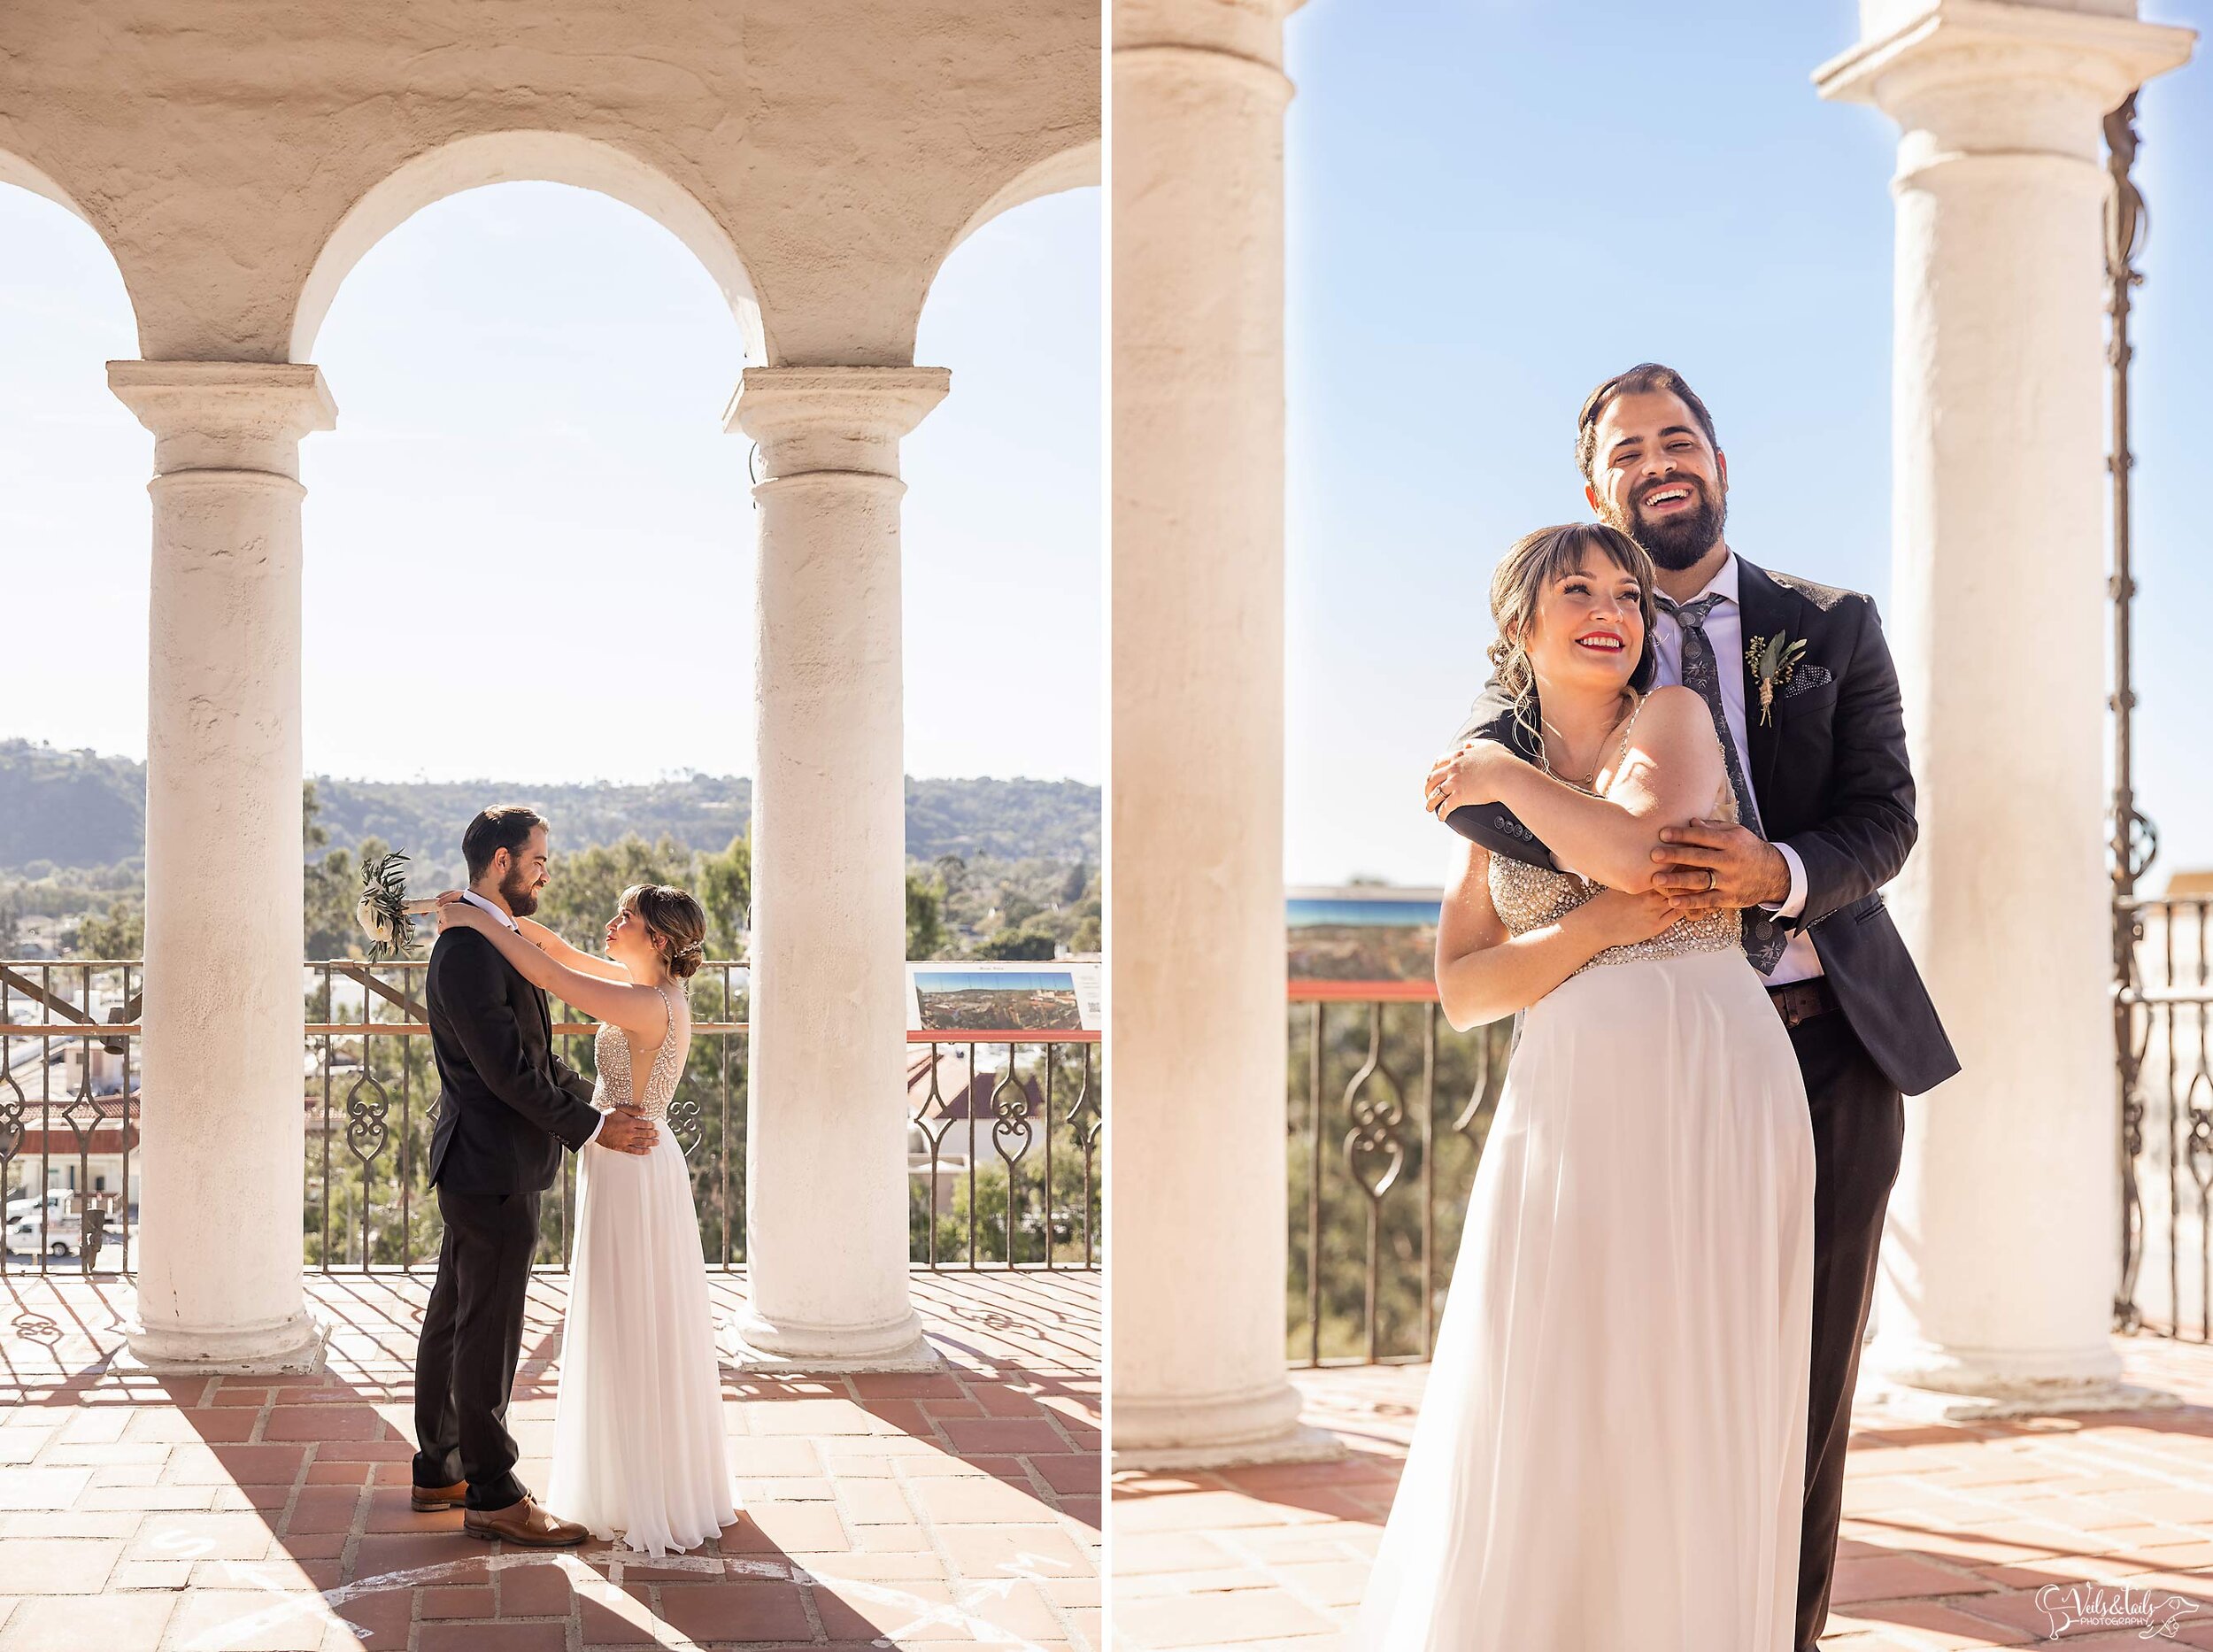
[1814, 740]
[507, 1107]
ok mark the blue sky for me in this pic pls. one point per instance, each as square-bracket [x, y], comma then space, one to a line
[530, 382]
[1494, 204]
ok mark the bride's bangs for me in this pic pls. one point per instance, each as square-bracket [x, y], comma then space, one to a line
[1574, 544]
[1539, 558]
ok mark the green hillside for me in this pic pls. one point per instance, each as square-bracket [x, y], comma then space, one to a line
[64, 813]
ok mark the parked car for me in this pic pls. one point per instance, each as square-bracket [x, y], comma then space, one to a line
[58, 1205]
[60, 1237]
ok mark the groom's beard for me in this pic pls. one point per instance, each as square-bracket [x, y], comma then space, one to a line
[1678, 542]
[521, 897]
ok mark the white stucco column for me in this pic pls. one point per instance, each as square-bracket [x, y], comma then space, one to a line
[2000, 1257]
[218, 1237]
[1196, 943]
[826, 1107]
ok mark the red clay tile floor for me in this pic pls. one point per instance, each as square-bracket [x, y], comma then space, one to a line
[2012, 1533]
[142, 1514]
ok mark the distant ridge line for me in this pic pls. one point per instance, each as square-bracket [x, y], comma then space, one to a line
[84, 809]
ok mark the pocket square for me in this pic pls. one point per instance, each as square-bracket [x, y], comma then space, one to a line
[1806, 676]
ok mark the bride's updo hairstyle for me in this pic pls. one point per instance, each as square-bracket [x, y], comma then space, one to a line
[677, 923]
[1528, 571]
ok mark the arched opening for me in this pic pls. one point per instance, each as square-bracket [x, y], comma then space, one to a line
[72, 538]
[1004, 551]
[523, 157]
[1058, 172]
[528, 579]
[1004, 638]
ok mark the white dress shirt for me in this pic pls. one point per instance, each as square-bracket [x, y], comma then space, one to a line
[1725, 629]
[501, 913]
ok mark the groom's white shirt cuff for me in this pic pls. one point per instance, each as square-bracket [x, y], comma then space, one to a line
[475, 899]
[1794, 903]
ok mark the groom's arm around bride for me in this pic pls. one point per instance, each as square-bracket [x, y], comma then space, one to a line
[543, 1105]
[508, 1107]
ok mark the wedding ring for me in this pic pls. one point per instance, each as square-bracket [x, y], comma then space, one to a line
[1712, 883]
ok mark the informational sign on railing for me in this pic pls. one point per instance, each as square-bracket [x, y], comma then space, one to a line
[1363, 941]
[992, 998]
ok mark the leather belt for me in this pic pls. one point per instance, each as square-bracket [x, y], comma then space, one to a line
[1799, 1001]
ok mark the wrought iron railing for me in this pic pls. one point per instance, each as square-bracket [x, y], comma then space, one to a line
[2164, 1009]
[1388, 1110]
[1004, 1134]
[68, 1111]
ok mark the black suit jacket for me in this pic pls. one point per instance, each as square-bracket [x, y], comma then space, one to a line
[1829, 771]
[507, 1104]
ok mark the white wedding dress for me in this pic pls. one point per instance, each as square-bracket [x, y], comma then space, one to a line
[638, 1448]
[1611, 1450]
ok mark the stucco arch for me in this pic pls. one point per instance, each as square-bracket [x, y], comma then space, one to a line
[15, 170]
[535, 156]
[20, 172]
[1064, 169]
[1070, 168]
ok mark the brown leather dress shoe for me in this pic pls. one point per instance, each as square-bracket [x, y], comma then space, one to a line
[524, 1523]
[432, 1499]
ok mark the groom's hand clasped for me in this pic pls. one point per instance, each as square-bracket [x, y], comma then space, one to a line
[1710, 865]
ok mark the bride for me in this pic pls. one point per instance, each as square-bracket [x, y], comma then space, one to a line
[1611, 1451]
[638, 1447]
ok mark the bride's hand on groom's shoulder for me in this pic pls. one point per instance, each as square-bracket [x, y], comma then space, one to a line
[1467, 774]
[456, 913]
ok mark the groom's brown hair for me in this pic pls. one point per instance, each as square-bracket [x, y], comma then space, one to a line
[503, 826]
[1641, 380]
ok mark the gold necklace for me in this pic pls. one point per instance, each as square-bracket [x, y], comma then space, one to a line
[1588, 788]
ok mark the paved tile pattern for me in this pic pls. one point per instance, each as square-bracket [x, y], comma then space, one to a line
[1955, 1536]
[140, 1514]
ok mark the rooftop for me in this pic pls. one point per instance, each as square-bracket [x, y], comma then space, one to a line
[1951, 1531]
[229, 1513]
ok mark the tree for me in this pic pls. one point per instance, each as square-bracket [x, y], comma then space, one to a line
[587, 886]
[726, 890]
[330, 888]
[121, 934]
[1033, 944]
[1089, 936]
[925, 916]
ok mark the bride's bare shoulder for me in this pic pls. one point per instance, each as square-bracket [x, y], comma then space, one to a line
[1672, 709]
[1673, 736]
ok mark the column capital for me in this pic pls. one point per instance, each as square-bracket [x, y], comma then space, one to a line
[1232, 35]
[1994, 75]
[226, 415]
[834, 419]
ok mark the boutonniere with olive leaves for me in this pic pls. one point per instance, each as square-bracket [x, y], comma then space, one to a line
[1772, 660]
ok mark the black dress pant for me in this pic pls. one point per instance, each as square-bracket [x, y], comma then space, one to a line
[1859, 1123]
[472, 1335]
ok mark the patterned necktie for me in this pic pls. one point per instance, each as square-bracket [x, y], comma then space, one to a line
[1763, 939]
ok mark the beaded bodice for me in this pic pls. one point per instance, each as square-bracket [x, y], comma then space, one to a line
[1526, 896]
[611, 1048]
